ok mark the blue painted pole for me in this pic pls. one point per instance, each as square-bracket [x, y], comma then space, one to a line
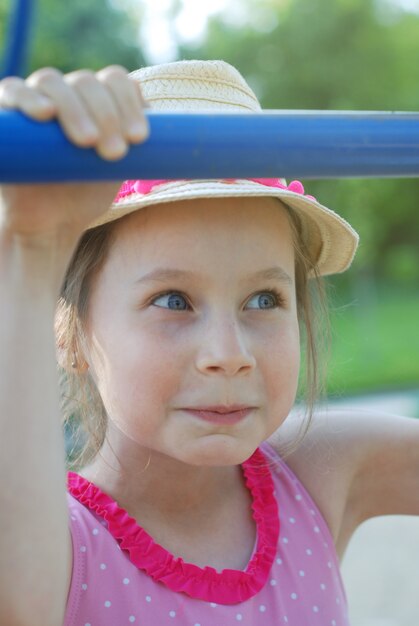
[306, 144]
[15, 54]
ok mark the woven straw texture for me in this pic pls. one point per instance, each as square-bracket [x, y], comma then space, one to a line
[196, 86]
[216, 85]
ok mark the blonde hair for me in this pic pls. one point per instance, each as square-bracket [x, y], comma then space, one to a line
[82, 408]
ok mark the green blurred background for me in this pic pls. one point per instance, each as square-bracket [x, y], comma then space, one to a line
[302, 54]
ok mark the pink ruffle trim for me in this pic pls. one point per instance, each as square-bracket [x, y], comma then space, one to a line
[225, 587]
[144, 187]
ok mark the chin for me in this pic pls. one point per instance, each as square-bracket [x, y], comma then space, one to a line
[220, 450]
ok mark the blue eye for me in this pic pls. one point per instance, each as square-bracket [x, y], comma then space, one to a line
[265, 300]
[173, 301]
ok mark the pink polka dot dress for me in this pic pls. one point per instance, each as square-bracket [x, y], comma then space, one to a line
[122, 577]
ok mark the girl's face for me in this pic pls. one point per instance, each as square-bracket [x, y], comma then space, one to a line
[195, 307]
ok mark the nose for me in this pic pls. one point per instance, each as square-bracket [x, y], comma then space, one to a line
[224, 350]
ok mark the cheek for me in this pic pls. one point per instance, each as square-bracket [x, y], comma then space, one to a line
[143, 373]
[282, 365]
[142, 386]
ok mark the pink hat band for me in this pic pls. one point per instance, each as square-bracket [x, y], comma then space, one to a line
[145, 187]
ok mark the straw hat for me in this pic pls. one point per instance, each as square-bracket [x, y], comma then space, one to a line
[216, 85]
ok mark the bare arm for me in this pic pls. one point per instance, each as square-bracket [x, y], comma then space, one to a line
[356, 465]
[39, 229]
[387, 477]
[34, 537]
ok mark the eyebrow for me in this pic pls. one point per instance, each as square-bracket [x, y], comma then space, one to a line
[166, 274]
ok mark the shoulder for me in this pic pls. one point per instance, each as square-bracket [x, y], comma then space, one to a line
[320, 461]
[355, 465]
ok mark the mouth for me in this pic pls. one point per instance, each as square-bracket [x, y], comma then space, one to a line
[221, 414]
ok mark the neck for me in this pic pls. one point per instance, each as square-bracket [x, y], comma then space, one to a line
[148, 481]
[200, 513]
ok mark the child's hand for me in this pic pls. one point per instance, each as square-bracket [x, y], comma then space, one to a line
[104, 111]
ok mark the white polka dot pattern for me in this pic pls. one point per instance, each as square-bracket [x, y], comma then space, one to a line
[304, 585]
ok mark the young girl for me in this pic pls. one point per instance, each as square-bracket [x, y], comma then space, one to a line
[178, 327]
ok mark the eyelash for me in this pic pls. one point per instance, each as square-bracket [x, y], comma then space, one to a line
[278, 297]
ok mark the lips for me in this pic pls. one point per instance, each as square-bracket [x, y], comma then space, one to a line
[221, 414]
[221, 408]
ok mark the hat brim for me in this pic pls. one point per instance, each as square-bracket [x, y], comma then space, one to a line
[331, 241]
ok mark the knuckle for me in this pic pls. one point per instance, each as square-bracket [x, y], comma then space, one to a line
[10, 82]
[10, 85]
[80, 78]
[112, 71]
[44, 76]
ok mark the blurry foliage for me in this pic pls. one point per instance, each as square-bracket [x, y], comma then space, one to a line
[375, 347]
[346, 54]
[76, 34]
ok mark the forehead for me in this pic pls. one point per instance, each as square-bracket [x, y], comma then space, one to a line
[237, 231]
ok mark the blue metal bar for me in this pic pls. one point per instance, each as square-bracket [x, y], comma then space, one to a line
[305, 144]
[18, 38]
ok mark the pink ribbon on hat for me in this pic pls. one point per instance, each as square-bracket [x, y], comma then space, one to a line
[144, 187]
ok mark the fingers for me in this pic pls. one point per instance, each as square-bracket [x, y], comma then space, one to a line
[103, 110]
[71, 111]
[129, 101]
[15, 94]
[112, 103]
